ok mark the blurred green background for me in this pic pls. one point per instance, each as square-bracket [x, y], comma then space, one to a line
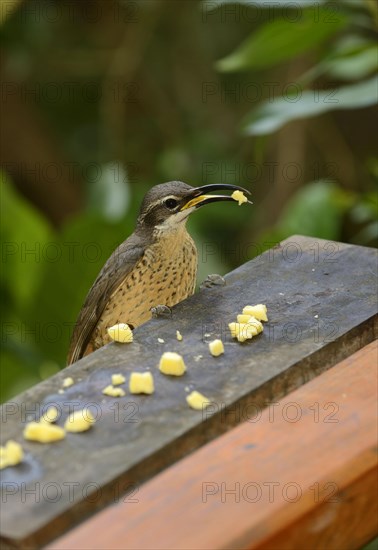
[102, 99]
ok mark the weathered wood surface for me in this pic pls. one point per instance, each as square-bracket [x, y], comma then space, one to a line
[322, 307]
[303, 476]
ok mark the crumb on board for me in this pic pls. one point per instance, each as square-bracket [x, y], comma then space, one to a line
[111, 391]
[249, 322]
[141, 382]
[216, 347]
[258, 311]
[197, 401]
[43, 432]
[67, 382]
[50, 416]
[172, 364]
[118, 379]
[121, 333]
[79, 421]
[11, 454]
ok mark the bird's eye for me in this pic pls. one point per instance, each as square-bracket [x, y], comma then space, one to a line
[171, 203]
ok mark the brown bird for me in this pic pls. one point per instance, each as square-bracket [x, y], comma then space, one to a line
[156, 265]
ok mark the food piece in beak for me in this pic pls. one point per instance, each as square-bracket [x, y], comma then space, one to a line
[198, 196]
[239, 197]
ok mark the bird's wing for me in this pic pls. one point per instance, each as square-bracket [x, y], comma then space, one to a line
[114, 272]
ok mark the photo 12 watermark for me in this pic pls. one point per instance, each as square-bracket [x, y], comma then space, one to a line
[73, 12]
[267, 491]
[265, 172]
[125, 412]
[115, 90]
[290, 412]
[53, 492]
[218, 11]
[292, 252]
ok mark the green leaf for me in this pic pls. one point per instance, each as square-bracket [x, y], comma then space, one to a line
[269, 117]
[85, 244]
[352, 58]
[316, 210]
[354, 66]
[282, 39]
[25, 239]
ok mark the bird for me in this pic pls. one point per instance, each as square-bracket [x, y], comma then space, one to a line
[156, 265]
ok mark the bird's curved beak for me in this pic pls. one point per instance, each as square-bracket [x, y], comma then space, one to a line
[198, 197]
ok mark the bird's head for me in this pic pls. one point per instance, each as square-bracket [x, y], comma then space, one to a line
[167, 206]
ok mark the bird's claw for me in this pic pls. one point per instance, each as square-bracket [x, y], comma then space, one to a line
[161, 311]
[212, 280]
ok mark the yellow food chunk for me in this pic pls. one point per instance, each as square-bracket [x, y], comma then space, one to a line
[14, 452]
[216, 347]
[178, 335]
[197, 401]
[242, 331]
[239, 331]
[118, 379]
[161, 341]
[172, 363]
[79, 421]
[239, 197]
[43, 432]
[11, 455]
[67, 382]
[141, 382]
[113, 392]
[243, 318]
[50, 415]
[259, 312]
[121, 333]
[255, 326]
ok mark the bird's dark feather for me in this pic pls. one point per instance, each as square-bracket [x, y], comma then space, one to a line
[114, 272]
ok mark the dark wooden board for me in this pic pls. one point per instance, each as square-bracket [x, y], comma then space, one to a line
[321, 299]
[271, 485]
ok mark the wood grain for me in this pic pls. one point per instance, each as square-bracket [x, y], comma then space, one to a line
[322, 478]
[321, 298]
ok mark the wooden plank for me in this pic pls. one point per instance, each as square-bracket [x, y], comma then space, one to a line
[274, 484]
[322, 307]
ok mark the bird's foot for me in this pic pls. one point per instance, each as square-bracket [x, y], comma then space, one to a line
[212, 280]
[161, 311]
